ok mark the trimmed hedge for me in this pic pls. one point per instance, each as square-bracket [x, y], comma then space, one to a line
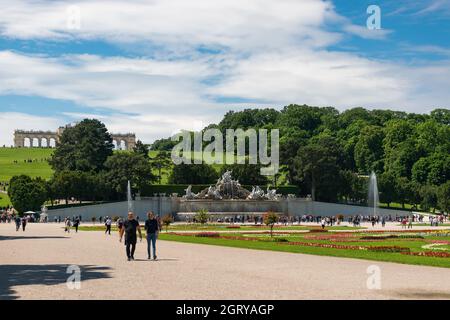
[73, 205]
[168, 189]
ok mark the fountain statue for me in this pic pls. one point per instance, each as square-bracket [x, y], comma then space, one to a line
[373, 195]
[227, 188]
[271, 194]
[189, 194]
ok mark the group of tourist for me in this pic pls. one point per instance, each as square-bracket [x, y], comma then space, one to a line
[74, 222]
[129, 229]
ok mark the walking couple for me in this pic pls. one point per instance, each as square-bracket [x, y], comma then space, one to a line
[131, 226]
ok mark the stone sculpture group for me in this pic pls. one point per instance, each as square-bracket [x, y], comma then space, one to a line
[227, 188]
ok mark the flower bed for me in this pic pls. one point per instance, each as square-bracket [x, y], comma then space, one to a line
[233, 226]
[207, 235]
[392, 236]
[326, 245]
[317, 230]
[388, 249]
[435, 254]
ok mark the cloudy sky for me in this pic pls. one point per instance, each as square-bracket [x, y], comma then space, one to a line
[156, 66]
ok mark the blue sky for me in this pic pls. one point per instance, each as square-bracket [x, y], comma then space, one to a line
[155, 67]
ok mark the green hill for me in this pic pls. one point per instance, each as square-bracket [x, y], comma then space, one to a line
[15, 161]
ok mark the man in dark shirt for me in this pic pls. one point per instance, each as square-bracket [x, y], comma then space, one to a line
[152, 229]
[129, 229]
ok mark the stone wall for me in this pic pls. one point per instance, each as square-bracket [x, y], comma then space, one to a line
[173, 205]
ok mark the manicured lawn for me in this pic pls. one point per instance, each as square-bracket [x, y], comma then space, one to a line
[39, 168]
[346, 253]
[4, 200]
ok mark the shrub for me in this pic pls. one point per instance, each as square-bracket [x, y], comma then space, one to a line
[388, 249]
[270, 218]
[317, 230]
[167, 220]
[429, 254]
[392, 236]
[202, 216]
[207, 235]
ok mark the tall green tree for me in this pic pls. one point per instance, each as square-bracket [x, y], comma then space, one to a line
[141, 148]
[27, 194]
[74, 184]
[193, 174]
[443, 197]
[127, 166]
[369, 150]
[161, 161]
[317, 165]
[429, 197]
[83, 147]
[387, 187]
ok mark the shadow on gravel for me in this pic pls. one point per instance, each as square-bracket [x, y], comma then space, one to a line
[29, 238]
[23, 275]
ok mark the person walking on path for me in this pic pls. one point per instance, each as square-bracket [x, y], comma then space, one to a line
[108, 223]
[119, 224]
[67, 223]
[17, 220]
[152, 229]
[410, 222]
[383, 221]
[76, 224]
[24, 223]
[130, 226]
[323, 223]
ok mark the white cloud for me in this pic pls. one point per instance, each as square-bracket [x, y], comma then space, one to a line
[176, 23]
[338, 79]
[275, 51]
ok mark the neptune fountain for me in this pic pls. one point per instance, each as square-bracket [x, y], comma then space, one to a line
[226, 188]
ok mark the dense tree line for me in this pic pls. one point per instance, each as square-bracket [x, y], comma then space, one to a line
[329, 154]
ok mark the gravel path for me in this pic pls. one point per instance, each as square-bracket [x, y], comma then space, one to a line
[33, 265]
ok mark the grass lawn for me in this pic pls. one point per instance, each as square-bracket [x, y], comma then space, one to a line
[310, 242]
[8, 168]
[389, 257]
[4, 200]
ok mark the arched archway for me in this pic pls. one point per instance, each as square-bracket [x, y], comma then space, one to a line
[116, 147]
[123, 145]
[27, 142]
[35, 142]
[52, 142]
[44, 142]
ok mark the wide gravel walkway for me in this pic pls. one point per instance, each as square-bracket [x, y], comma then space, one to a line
[33, 265]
